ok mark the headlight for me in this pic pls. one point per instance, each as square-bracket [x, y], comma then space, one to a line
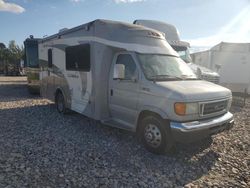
[186, 108]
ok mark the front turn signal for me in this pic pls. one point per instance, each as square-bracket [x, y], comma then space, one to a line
[180, 108]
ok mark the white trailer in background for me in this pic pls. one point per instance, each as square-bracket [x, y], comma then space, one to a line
[231, 61]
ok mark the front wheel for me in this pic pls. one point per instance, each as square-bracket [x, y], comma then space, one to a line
[155, 135]
[60, 103]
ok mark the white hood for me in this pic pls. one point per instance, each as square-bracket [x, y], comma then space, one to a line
[196, 90]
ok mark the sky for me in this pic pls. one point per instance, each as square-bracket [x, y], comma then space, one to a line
[203, 23]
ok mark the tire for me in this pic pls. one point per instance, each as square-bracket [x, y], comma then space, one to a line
[60, 103]
[155, 135]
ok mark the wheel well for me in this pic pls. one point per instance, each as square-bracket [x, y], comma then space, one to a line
[144, 114]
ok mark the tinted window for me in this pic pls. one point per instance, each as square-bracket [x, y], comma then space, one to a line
[130, 66]
[78, 58]
[32, 56]
[49, 58]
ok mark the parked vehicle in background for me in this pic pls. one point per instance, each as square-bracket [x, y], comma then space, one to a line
[32, 64]
[231, 61]
[204, 73]
[182, 47]
[128, 76]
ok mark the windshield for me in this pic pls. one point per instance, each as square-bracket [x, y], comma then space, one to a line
[164, 67]
[32, 56]
[184, 55]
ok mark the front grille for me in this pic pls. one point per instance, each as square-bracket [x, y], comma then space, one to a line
[214, 79]
[213, 107]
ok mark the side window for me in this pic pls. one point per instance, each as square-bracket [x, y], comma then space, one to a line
[129, 64]
[50, 58]
[78, 58]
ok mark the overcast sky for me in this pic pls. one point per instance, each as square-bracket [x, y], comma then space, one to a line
[200, 22]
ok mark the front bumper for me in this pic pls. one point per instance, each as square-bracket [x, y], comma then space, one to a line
[197, 130]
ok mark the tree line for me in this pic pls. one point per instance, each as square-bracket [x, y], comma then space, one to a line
[10, 57]
[11, 54]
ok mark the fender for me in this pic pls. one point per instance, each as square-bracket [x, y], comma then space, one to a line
[152, 109]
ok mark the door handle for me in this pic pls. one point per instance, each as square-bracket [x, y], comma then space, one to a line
[111, 92]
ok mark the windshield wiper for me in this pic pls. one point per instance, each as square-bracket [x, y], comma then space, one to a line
[165, 77]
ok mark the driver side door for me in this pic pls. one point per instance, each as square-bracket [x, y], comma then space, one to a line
[123, 93]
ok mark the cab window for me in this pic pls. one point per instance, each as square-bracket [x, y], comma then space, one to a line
[129, 64]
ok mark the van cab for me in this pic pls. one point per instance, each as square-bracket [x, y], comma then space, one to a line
[164, 96]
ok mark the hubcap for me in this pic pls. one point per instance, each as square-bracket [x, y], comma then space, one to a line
[152, 135]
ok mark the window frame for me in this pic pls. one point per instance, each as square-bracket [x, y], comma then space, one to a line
[70, 68]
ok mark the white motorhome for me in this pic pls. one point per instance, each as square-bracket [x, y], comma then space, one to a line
[129, 77]
[231, 61]
[172, 36]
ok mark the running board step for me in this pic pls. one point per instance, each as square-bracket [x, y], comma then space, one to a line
[116, 124]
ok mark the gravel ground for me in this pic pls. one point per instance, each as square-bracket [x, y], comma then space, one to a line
[40, 148]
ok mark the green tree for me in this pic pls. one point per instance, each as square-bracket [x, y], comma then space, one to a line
[2, 47]
[16, 52]
[11, 56]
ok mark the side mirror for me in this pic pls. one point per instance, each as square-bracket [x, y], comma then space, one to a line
[119, 71]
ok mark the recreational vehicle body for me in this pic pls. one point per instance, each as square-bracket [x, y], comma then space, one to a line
[129, 77]
[182, 47]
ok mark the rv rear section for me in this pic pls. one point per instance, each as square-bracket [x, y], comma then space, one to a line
[128, 76]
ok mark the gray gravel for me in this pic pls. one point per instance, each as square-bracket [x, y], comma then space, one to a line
[40, 148]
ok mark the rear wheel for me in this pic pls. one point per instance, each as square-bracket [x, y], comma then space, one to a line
[60, 103]
[155, 135]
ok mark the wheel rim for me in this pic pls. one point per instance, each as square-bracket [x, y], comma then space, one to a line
[152, 135]
[60, 104]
